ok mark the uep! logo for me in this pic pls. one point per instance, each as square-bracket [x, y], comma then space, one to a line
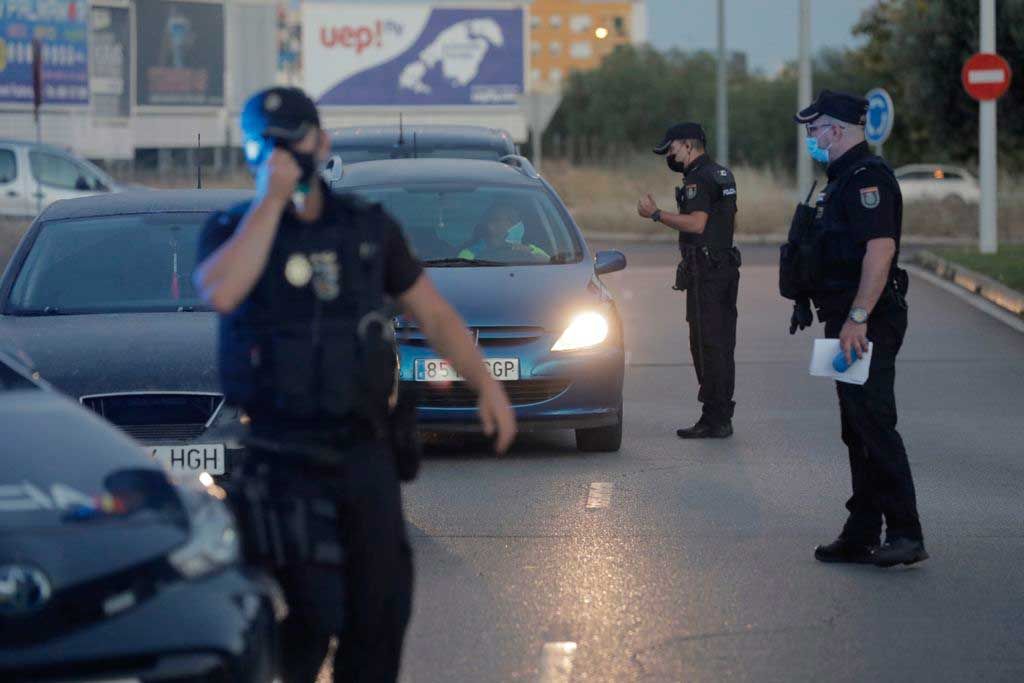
[359, 37]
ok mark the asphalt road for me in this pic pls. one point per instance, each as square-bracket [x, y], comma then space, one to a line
[693, 561]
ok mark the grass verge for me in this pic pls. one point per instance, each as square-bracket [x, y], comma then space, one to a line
[1006, 267]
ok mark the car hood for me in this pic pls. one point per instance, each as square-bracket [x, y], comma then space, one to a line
[98, 354]
[535, 296]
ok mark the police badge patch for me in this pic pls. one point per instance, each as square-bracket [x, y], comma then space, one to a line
[869, 197]
[691, 191]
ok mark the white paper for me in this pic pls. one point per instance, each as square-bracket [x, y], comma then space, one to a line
[825, 350]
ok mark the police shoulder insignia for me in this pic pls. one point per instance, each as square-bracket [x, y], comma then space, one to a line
[691, 191]
[869, 197]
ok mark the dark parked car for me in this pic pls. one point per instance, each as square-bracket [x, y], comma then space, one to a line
[109, 570]
[374, 143]
[99, 294]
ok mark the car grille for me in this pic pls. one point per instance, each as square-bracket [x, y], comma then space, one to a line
[489, 337]
[460, 395]
[156, 417]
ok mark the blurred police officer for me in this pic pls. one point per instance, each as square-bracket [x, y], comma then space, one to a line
[300, 278]
[709, 270]
[860, 296]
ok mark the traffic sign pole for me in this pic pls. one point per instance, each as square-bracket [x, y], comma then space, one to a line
[988, 236]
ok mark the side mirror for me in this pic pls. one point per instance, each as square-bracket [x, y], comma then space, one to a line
[332, 169]
[609, 262]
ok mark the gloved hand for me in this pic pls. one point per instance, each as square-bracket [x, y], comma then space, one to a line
[802, 316]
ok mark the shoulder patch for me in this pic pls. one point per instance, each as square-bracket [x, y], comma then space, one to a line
[869, 197]
[691, 191]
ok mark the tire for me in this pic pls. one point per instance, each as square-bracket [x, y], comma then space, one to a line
[601, 439]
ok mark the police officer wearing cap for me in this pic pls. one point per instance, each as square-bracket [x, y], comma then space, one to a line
[302, 280]
[852, 278]
[709, 270]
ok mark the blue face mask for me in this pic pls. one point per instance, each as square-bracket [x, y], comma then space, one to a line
[816, 152]
[515, 234]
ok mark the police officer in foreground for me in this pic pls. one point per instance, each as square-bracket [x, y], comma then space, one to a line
[853, 237]
[301, 279]
[708, 272]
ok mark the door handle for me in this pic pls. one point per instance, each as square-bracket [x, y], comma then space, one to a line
[12, 193]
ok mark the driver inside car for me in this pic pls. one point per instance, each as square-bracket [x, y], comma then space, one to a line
[499, 235]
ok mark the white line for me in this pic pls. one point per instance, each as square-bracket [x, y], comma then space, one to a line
[983, 305]
[600, 495]
[556, 662]
[982, 76]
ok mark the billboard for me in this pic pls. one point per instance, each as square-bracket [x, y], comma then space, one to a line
[62, 27]
[412, 55]
[180, 53]
[109, 68]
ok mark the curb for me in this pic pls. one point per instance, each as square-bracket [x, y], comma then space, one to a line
[1010, 300]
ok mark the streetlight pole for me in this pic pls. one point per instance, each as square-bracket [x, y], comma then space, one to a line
[722, 101]
[988, 229]
[803, 162]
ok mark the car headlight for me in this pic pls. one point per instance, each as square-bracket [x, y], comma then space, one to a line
[213, 543]
[585, 330]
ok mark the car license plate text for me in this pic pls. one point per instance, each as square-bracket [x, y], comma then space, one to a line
[430, 370]
[191, 457]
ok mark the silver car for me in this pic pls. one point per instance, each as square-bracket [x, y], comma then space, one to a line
[33, 176]
[937, 182]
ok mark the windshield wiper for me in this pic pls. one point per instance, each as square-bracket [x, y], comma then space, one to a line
[464, 262]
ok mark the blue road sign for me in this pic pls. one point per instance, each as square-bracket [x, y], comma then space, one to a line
[880, 116]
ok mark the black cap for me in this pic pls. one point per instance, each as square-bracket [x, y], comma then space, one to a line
[280, 113]
[839, 105]
[680, 131]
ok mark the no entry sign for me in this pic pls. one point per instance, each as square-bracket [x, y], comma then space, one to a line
[986, 76]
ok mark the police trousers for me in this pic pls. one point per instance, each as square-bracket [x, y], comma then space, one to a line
[883, 486]
[711, 314]
[365, 601]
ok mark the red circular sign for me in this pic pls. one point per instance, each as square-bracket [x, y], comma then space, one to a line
[986, 76]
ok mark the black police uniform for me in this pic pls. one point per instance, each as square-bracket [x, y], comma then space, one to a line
[714, 285]
[290, 357]
[862, 202]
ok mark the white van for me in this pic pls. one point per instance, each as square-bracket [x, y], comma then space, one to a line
[33, 176]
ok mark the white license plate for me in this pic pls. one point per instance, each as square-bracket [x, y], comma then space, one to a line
[191, 458]
[430, 370]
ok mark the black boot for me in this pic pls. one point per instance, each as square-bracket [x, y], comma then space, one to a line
[900, 551]
[842, 550]
[706, 430]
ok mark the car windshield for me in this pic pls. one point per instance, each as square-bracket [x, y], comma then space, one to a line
[479, 225]
[355, 153]
[111, 264]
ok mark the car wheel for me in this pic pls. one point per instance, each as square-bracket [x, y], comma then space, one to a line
[601, 439]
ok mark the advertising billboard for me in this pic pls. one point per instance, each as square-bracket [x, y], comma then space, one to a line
[109, 66]
[180, 53]
[412, 55]
[62, 27]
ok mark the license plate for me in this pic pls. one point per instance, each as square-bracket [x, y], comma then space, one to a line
[430, 370]
[191, 458]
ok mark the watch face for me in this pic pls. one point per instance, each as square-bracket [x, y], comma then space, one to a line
[859, 315]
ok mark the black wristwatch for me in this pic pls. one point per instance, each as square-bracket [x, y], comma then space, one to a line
[656, 216]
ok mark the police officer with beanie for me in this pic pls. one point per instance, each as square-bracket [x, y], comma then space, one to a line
[302, 280]
[851, 247]
[709, 270]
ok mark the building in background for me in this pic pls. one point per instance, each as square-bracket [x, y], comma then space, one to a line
[575, 35]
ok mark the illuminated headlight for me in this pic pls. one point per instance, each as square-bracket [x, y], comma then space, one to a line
[213, 544]
[585, 330]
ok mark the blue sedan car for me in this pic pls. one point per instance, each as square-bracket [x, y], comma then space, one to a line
[501, 246]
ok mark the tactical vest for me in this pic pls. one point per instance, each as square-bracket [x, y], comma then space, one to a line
[821, 254]
[311, 340]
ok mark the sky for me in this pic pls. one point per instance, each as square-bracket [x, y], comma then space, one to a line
[764, 29]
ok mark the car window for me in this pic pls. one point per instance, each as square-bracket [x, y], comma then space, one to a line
[355, 154]
[916, 175]
[498, 225]
[8, 166]
[953, 175]
[110, 264]
[60, 172]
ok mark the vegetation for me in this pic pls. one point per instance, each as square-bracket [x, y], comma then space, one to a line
[1007, 266]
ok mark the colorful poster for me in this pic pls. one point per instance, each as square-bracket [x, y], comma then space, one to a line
[412, 55]
[62, 27]
[181, 53]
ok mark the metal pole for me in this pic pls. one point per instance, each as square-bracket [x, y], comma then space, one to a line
[803, 162]
[722, 103]
[988, 231]
[538, 143]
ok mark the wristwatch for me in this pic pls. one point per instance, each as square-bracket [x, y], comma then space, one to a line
[858, 315]
[656, 216]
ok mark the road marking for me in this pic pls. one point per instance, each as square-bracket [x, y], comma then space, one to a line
[981, 76]
[600, 495]
[556, 662]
